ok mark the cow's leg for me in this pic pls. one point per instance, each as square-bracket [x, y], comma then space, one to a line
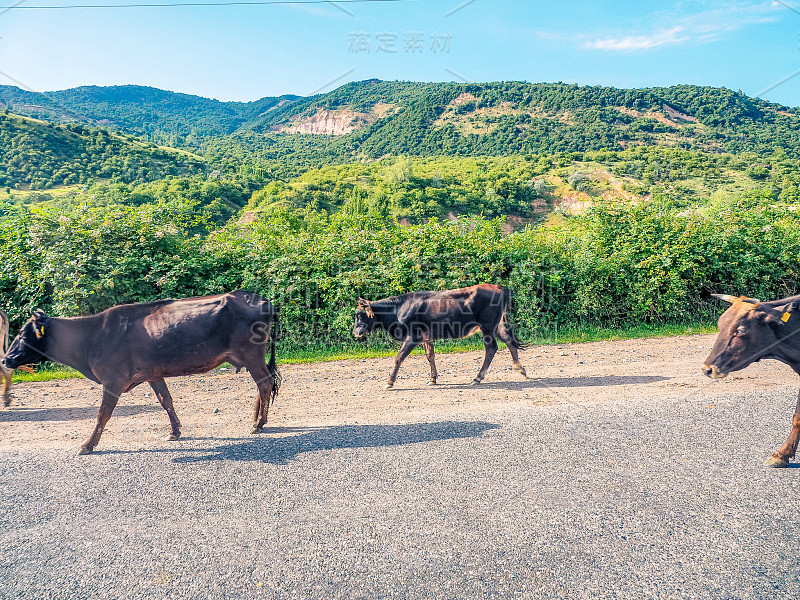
[780, 458]
[513, 347]
[6, 375]
[491, 349]
[405, 350]
[110, 396]
[265, 381]
[428, 346]
[165, 398]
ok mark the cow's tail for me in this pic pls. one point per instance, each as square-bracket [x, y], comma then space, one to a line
[507, 321]
[272, 365]
[5, 323]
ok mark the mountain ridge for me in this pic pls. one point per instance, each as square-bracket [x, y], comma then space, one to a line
[365, 120]
[111, 104]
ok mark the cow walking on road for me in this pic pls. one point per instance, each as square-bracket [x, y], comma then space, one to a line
[750, 330]
[419, 318]
[130, 344]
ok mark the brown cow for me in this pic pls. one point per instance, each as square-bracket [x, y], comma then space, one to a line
[751, 330]
[419, 318]
[130, 344]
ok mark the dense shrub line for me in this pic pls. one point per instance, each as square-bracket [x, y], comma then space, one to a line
[617, 265]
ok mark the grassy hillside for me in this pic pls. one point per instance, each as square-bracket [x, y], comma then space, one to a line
[39, 155]
[525, 188]
[70, 165]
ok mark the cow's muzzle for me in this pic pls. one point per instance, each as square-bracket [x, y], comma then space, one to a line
[713, 372]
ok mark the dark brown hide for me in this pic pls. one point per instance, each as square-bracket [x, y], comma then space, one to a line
[419, 318]
[131, 344]
[750, 330]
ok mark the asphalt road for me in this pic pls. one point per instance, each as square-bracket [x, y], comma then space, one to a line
[652, 498]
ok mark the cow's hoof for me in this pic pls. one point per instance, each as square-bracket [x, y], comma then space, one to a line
[173, 436]
[523, 373]
[257, 430]
[431, 383]
[389, 386]
[475, 382]
[775, 462]
[83, 451]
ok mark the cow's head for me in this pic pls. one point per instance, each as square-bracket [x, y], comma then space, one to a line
[29, 346]
[748, 330]
[365, 319]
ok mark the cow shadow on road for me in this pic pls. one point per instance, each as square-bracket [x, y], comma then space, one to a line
[281, 450]
[70, 413]
[546, 382]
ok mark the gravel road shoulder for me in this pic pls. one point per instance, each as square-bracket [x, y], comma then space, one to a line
[60, 414]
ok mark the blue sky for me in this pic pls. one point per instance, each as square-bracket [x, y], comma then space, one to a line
[245, 52]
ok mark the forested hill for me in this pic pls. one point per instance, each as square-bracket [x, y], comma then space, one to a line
[369, 119]
[39, 155]
[166, 117]
[378, 118]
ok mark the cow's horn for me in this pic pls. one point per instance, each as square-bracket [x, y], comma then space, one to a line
[751, 300]
[726, 297]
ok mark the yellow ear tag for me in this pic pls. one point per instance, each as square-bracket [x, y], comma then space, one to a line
[785, 316]
[39, 332]
[369, 312]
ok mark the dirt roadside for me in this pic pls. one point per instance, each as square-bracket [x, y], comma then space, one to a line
[60, 414]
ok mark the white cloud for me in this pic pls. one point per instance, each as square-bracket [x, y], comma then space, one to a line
[641, 42]
[700, 27]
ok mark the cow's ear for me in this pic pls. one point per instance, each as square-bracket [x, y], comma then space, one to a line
[775, 317]
[790, 311]
[365, 305]
[39, 322]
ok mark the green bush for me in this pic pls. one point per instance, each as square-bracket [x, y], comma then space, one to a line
[617, 265]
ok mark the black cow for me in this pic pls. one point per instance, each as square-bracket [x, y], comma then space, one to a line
[751, 330]
[422, 317]
[130, 344]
